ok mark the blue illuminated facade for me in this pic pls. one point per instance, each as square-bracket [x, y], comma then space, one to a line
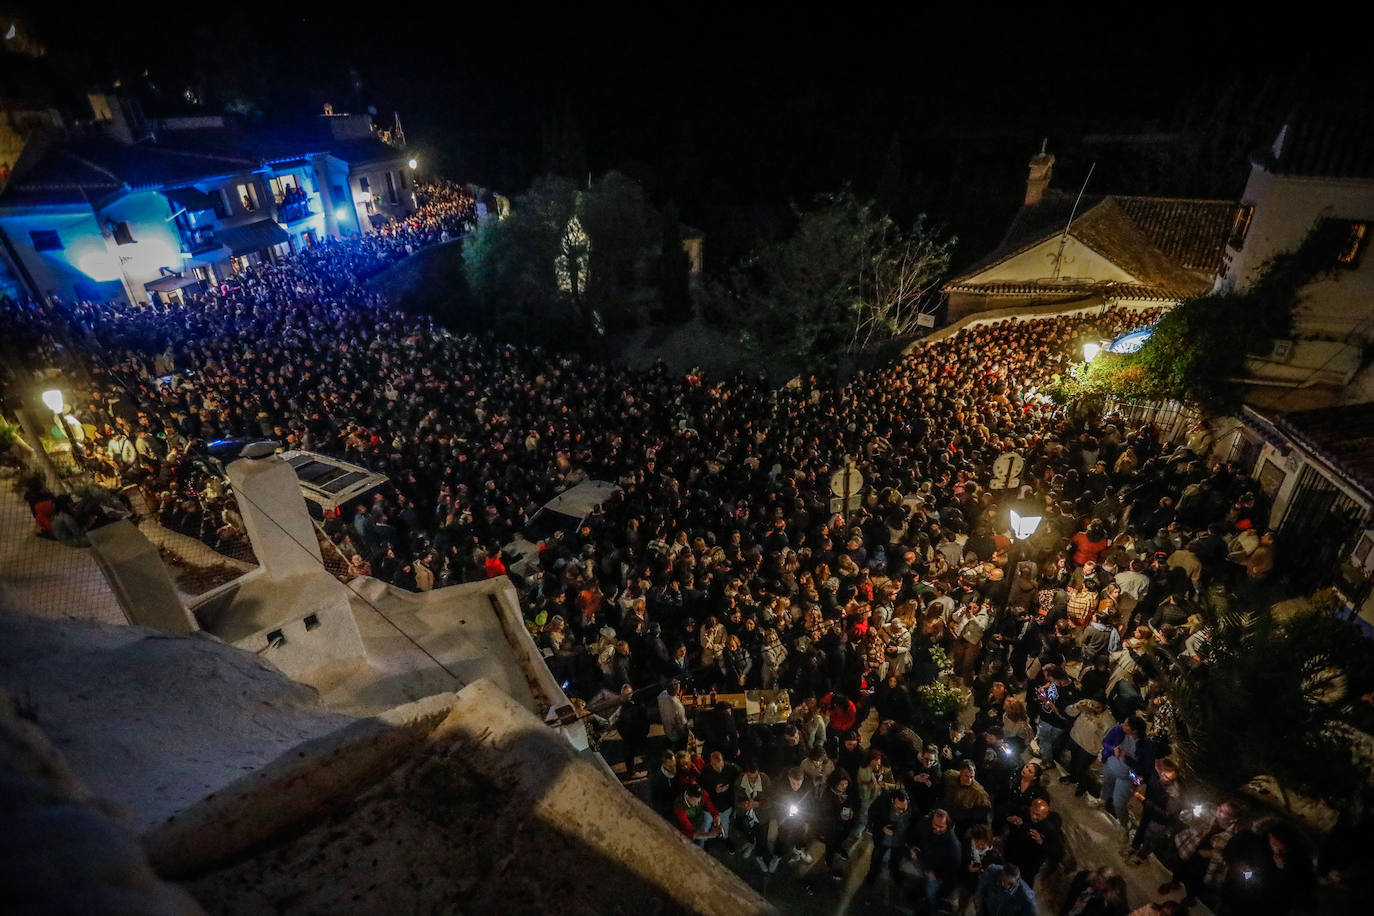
[102, 216]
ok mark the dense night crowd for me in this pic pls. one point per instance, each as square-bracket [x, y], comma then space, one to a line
[720, 565]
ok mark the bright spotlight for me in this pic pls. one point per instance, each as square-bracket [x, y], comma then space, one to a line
[52, 399]
[1090, 351]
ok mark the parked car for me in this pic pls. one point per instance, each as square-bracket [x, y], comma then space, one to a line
[565, 513]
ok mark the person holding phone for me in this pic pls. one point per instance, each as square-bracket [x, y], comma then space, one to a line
[1127, 751]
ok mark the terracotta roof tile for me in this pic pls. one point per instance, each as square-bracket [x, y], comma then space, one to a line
[1192, 233]
[1324, 144]
[1344, 436]
[1169, 244]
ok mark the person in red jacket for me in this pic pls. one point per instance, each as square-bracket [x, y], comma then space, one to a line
[493, 566]
[695, 814]
[1089, 544]
[844, 715]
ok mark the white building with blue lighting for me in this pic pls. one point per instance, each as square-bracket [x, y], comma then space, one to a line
[140, 210]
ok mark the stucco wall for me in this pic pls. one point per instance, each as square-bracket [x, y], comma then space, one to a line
[1286, 210]
[1080, 261]
[156, 242]
[83, 259]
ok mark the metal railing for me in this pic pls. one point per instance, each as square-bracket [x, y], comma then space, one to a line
[1172, 418]
[290, 213]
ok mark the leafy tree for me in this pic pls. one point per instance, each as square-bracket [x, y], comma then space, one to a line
[901, 280]
[1267, 701]
[565, 257]
[1198, 349]
[510, 264]
[845, 278]
[624, 234]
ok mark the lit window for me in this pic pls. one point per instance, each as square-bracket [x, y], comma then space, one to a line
[1351, 247]
[45, 240]
[283, 184]
[1241, 227]
[248, 197]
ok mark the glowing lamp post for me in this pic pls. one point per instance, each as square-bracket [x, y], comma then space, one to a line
[1025, 515]
[1090, 351]
[69, 425]
[413, 163]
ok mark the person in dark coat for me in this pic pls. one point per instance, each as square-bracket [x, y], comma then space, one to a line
[1002, 892]
[632, 723]
[1035, 842]
[889, 820]
[893, 701]
[939, 854]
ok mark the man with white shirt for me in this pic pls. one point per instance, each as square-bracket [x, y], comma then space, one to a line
[968, 624]
[1134, 584]
[673, 715]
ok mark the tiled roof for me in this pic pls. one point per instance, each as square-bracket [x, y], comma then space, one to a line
[1324, 144]
[1344, 436]
[93, 167]
[1169, 244]
[1059, 291]
[1192, 233]
[1111, 233]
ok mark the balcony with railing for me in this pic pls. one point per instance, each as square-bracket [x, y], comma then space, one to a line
[294, 211]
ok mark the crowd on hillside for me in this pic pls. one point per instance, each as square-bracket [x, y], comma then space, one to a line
[720, 564]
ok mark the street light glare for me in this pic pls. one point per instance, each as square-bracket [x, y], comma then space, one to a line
[52, 399]
[414, 164]
[1023, 526]
[1090, 351]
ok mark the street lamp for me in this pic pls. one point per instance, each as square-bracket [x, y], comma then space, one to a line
[1090, 351]
[52, 399]
[413, 163]
[1026, 516]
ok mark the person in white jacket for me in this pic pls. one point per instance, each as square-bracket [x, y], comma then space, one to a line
[1091, 721]
[673, 715]
[774, 654]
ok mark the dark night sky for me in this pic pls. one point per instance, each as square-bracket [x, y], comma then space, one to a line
[721, 113]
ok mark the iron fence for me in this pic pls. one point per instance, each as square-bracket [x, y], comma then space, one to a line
[1172, 418]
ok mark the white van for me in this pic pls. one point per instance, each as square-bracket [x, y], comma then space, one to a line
[565, 513]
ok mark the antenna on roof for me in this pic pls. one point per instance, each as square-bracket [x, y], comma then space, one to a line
[1044, 145]
[1064, 239]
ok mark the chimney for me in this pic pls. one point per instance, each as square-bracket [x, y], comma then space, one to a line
[1038, 181]
[111, 117]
